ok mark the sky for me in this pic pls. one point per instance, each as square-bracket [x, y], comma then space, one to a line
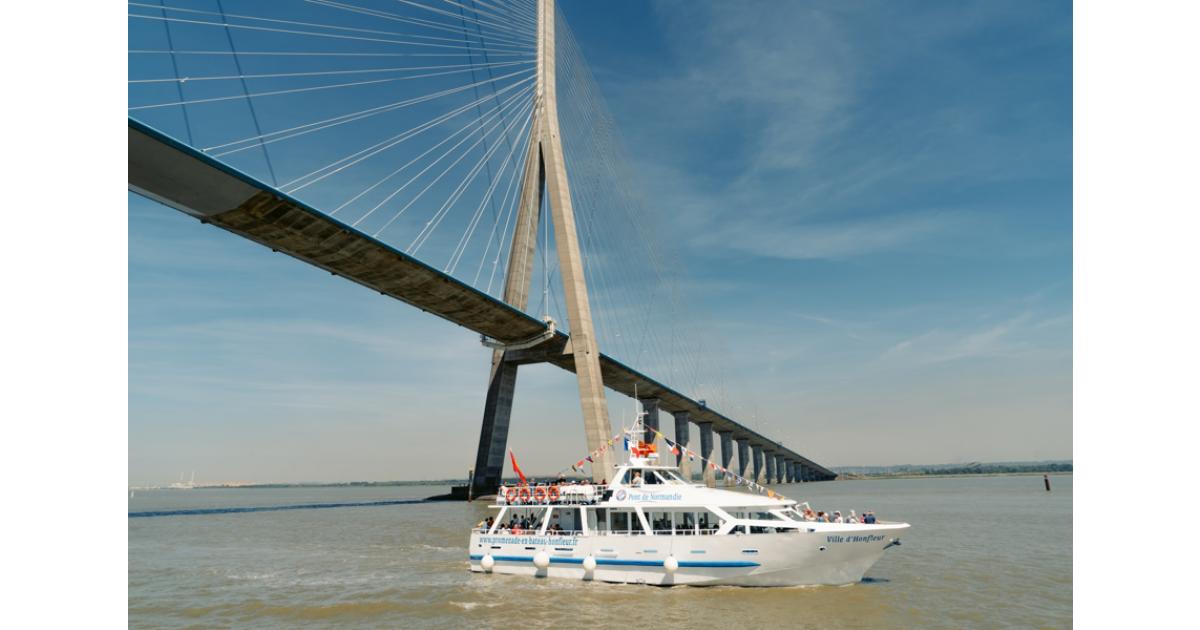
[870, 203]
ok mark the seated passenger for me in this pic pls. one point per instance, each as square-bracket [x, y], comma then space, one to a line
[637, 480]
[837, 517]
[809, 515]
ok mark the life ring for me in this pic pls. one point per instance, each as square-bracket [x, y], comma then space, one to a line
[553, 493]
[539, 493]
[509, 495]
[524, 494]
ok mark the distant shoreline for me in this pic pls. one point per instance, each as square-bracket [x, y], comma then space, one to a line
[1052, 473]
[454, 482]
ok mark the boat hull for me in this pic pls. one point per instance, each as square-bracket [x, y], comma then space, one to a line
[780, 559]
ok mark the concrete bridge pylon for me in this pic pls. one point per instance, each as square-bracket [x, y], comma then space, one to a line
[545, 174]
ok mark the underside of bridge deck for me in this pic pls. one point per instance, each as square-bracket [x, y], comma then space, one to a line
[178, 176]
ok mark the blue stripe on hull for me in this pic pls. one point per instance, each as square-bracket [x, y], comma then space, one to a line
[620, 562]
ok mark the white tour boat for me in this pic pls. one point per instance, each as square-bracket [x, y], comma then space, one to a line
[651, 526]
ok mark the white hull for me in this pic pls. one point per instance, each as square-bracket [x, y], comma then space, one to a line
[833, 555]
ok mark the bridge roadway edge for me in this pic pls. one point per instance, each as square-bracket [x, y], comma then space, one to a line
[165, 170]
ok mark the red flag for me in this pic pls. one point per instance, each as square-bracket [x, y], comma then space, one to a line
[516, 469]
[674, 450]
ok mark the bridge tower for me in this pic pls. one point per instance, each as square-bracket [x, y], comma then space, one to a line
[545, 174]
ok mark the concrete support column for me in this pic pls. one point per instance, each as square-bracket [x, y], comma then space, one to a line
[650, 406]
[592, 400]
[726, 454]
[758, 464]
[789, 469]
[770, 467]
[780, 465]
[805, 473]
[743, 446]
[682, 429]
[706, 449]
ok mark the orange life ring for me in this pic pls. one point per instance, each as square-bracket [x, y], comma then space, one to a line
[553, 493]
[524, 493]
[509, 495]
[539, 493]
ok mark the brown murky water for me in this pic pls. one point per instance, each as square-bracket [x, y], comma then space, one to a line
[989, 552]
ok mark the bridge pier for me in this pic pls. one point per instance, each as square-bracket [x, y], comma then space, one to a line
[493, 434]
[780, 464]
[743, 446]
[789, 468]
[650, 407]
[706, 449]
[682, 431]
[758, 464]
[805, 473]
[770, 467]
[726, 454]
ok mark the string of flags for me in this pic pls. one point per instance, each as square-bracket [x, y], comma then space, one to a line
[677, 449]
[577, 467]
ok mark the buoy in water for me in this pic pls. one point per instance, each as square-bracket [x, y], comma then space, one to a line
[589, 564]
[487, 563]
[541, 559]
[671, 564]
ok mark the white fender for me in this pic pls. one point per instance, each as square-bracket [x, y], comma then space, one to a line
[589, 564]
[671, 564]
[541, 559]
[487, 563]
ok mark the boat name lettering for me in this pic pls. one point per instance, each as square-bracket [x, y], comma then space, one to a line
[529, 540]
[853, 539]
[646, 496]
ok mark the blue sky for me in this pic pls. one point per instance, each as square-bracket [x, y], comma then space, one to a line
[870, 202]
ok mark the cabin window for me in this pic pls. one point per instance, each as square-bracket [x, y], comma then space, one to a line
[563, 520]
[620, 521]
[765, 516]
[652, 478]
[597, 519]
[660, 522]
[685, 523]
[707, 522]
[671, 475]
[622, 478]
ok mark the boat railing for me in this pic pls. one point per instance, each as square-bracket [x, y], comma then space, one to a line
[563, 495]
[505, 531]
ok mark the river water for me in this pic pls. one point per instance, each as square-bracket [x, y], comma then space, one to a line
[983, 552]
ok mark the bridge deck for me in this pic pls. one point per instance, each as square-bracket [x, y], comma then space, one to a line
[170, 172]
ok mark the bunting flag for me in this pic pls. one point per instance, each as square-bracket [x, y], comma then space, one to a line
[589, 458]
[516, 469]
[675, 450]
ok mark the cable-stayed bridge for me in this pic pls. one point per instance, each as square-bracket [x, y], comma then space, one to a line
[455, 155]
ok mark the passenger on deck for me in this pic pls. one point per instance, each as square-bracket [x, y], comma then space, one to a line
[869, 518]
[636, 482]
[809, 515]
[837, 517]
[822, 518]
